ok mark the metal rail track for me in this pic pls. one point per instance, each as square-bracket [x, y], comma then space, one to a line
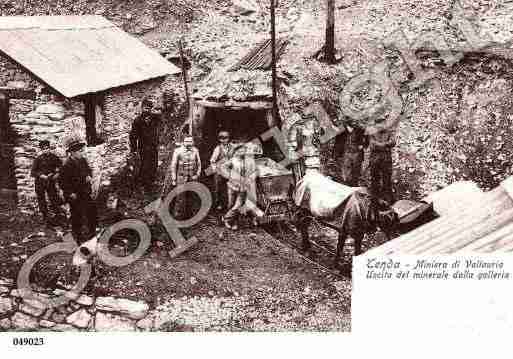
[320, 256]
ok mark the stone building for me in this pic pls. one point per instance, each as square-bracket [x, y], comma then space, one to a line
[63, 76]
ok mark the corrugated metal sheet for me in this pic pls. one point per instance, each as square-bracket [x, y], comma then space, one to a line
[76, 55]
[260, 57]
[483, 227]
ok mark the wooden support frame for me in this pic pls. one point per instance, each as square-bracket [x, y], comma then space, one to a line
[254, 105]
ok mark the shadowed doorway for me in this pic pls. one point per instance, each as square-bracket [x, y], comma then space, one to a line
[244, 124]
[8, 192]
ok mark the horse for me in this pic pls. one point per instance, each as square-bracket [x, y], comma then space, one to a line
[359, 214]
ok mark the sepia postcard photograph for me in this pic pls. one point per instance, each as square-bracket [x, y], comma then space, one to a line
[216, 165]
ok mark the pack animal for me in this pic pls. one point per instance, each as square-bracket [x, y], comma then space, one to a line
[360, 214]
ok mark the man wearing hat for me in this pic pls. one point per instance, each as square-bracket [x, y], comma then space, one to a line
[144, 140]
[381, 142]
[45, 170]
[75, 179]
[222, 153]
[241, 171]
[185, 167]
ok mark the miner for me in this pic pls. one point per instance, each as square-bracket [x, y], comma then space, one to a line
[242, 172]
[75, 180]
[45, 171]
[352, 160]
[185, 167]
[381, 142]
[144, 141]
[222, 153]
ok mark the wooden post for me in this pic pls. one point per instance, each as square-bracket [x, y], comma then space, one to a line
[329, 46]
[4, 118]
[273, 62]
[90, 119]
[184, 75]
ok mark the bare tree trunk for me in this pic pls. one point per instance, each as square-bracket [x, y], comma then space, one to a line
[329, 46]
[273, 62]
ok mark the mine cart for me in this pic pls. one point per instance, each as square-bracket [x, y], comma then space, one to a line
[275, 185]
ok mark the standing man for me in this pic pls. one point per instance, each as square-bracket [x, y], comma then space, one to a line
[381, 142]
[185, 167]
[144, 140]
[304, 143]
[352, 161]
[242, 172]
[75, 179]
[222, 152]
[45, 170]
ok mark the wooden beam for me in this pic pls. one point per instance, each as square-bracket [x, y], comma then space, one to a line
[4, 118]
[254, 105]
[18, 93]
[184, 76]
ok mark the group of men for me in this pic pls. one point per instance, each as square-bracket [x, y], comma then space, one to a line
[349, 151]
[234, 170]
[233, 165]
[74, 175]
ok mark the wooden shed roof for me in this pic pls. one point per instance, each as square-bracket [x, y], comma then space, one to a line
[76, 55]
[482, 227]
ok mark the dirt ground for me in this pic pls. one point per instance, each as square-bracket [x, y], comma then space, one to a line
[269, 284]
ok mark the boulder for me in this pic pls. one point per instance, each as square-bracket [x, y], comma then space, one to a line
[5, 324]
[85, 300]
[58, 317]
[110, 323]
[147, 23]
[5, 306]
[52, 110]
[24, 322]
[47, 324]
[129, 308]
[146, 323]
[33, 307]
[34, 311]
[80, 319]
[244, 7]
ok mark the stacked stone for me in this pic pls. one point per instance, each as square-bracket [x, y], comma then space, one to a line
[44, 123]
[81, 313]
[121, 107]
[10, 72]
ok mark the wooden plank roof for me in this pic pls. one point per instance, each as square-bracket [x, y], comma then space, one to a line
[484, 227]
[76, 55]
[260, 56]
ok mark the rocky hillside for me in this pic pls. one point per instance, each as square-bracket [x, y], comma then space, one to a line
[455, 127]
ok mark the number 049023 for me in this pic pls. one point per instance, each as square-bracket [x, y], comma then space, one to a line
[27, 341]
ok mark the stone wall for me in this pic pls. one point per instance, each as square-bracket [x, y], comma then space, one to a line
[55, 119]
[121, 107]
[81, 313]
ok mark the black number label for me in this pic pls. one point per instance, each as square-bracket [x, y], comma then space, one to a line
[28, 341]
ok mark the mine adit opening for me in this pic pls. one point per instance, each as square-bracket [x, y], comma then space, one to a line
[243, 123]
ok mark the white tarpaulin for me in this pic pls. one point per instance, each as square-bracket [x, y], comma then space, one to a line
[320, 194]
